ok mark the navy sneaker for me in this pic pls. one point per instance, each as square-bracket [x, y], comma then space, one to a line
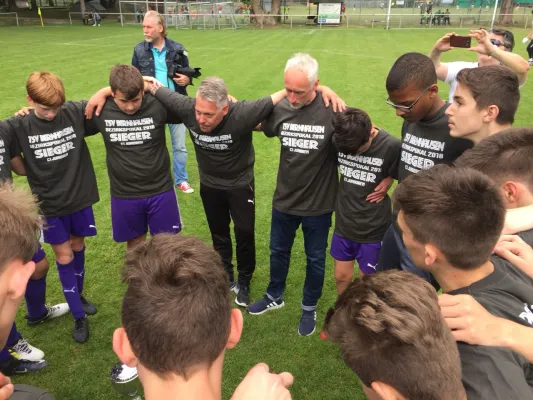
[264, 305]
[307, 323]
[14, 366]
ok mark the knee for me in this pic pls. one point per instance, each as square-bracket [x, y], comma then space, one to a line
[77, 243]
[64, 258]
[343, 275]
[41, 269]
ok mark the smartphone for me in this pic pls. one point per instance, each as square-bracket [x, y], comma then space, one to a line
[460, 41]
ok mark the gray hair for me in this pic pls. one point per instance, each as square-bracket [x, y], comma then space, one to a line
[305, 63]
[214, 89]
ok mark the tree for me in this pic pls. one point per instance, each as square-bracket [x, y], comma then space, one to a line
[276, 10]
[506, 12]
[82, 8]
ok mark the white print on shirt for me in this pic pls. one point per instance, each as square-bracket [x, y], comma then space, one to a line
[52, 146]
[359, 169]
[301, 138]
[129, 132]
[212, 142]
[419, 153]
[527, 315]
[2, 151]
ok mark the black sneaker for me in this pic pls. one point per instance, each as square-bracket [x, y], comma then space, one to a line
[15, 366]
[243, 297]
[80, 333]
[88, 307]
[234, 287]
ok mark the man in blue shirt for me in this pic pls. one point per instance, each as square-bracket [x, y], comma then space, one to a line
[153, 57]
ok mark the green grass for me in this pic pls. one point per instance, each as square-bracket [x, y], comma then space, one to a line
[353, 62]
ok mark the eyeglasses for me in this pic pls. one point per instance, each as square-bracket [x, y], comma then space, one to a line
[407, 108]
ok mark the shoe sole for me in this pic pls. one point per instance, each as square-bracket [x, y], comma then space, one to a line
[241, 304]
[301, 334]
[47, 318]
[267, 309]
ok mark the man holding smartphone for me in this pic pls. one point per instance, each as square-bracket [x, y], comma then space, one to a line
[493, 48]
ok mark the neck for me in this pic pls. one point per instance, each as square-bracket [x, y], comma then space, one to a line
[452, 278]
[488, 130]
[205, 384]
[159, 43]
[437, 105]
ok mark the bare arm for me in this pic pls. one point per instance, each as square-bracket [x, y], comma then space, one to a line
[17, 165]
[278, 96]
[442, 45]
[518, 220]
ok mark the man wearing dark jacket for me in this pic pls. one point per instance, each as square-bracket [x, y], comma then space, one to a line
[156, 56]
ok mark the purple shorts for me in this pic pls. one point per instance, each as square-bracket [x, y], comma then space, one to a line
[59, 229]
[131, 218]
[39, 255]
[366, 254]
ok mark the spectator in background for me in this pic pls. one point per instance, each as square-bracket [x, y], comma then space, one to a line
[96, 19]
[493, 48]
[152, 57]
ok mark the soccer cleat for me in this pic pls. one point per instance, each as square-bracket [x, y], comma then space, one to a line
[80, 333]
[185, 187]
[15, 366]
[234, 287]
[243, 297]
[22, 350]
[51, 312]
[307, 323]
[88, 307]
[264, 305]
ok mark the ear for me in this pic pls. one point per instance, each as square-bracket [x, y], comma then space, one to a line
[385, 392]
[491, 113]
[433, 91]
[19, 278]
[30, 100]
[225, 109]
[510, 192]
[236, 328]
[122, 348]
[431, 254]
[315, 86]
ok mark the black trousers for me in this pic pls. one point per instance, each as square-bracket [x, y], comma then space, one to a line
[237, 205]
[530, 49]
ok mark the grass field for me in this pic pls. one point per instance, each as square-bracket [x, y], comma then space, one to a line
[354, 63]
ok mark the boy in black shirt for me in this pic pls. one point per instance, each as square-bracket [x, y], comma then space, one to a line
[133, 129]
[61, 175]
[426, 141]
[451, 219]
[366, 155]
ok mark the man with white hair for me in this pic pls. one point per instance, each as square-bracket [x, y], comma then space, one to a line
[222, 137]
[306, 187]
[153, 57]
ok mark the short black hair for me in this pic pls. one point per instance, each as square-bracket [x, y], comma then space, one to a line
[411, 68]
[352, 130]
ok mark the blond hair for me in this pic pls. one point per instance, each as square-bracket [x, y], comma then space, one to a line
[160, 20]
[19, 224]
[46, 89]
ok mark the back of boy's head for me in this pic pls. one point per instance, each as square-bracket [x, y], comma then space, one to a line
[390, 330]
[127, 79]
[177, 307]
[458, 210]
[493, 85]
[19, 225]
[411, 69]
[46, 89]
[507, 155]
[352, 130]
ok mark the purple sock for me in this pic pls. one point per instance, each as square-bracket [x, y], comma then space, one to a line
[35, 297]
[70, 288]
[79, 268]
[12, 340]
[4, 354]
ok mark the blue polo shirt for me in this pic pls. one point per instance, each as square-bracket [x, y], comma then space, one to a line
[161, 71]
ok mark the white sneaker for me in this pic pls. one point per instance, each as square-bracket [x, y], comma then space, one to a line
[25, 351]
[52, 312]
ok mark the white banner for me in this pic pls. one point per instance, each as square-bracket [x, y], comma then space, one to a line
[329, 13]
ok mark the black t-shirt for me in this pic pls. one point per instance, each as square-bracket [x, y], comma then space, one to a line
[225, 155]
[307, 175]
[498, 373]
[8, 150]
[138, 163]
[428, 142]
[357, 219]
[57, 161]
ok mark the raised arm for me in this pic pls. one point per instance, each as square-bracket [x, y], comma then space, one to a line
[518, 220]
[442, 45]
